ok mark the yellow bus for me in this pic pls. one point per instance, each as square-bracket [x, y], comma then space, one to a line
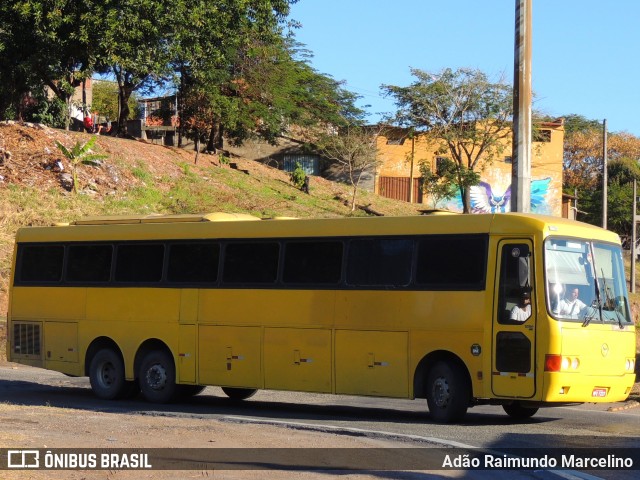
[428, 307]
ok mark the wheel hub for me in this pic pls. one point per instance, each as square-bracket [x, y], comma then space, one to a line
[441, 392]
[156, 377]
[106, 374]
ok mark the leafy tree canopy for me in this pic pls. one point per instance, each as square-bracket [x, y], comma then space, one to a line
[463, 110]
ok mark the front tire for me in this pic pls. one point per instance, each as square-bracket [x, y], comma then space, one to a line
[517, 411]
[448, 392]
[239, 393]
[106, 374]
[157, 377]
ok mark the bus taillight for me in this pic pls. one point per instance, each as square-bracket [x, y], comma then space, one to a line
[557, 363]
[552, 363]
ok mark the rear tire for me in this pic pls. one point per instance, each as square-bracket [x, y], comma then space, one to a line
[448, 392]
[106, 374]
[239, 393]
[157, 377]
[517, 411]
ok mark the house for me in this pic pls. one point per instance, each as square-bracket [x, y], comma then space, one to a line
[401, 154]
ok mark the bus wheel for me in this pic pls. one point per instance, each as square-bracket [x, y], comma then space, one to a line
[157, 377]
[518, 411]
[239, 393]
[447, 392]
[106, 374]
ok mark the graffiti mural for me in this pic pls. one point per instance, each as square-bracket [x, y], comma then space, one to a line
[487, 198]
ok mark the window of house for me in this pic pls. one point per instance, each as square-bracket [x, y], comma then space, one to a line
[542, 136]
[441, 165]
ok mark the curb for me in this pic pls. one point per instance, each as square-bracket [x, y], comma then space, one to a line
[627, 406]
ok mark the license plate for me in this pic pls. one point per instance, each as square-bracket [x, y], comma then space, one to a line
[599, 392]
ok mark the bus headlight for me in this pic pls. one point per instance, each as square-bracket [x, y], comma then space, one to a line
[630, 364]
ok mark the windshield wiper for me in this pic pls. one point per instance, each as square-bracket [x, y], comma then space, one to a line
[610, 303]
[588, 318]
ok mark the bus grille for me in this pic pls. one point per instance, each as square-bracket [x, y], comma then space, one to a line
[26, 339]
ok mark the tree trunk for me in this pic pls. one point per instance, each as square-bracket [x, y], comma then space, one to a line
[123, 98]
[466, 200]
[216, 142]
[197, 147]
[353, 198]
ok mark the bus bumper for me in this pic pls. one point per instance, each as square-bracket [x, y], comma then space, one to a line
[566, 387]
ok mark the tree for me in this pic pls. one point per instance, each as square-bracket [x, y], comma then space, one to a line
[621, 172]
[134, 41]
[354, 150]
[105, 100]
[582, 171]
[47, 42]
[469, 116]
[582, 157]
[442, 184]
[257, 82]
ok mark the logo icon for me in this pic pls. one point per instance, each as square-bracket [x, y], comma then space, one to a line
[23, 459]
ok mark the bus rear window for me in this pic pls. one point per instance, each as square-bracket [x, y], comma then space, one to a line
[41, 263]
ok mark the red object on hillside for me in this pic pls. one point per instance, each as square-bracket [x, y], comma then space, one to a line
[88, 123]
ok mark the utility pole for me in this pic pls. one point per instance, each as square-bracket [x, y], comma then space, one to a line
[413, 153]
[605, 176]
[634, 219]
[521, 148]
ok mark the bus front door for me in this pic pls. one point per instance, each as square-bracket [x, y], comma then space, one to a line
[514, 322]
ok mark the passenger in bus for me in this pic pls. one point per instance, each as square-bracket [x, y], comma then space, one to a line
[572, 306]
[522, 311]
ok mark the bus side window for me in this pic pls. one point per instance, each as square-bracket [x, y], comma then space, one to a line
[193, 262]
[380, 262]
[41, 263]
[317, 262]
[89, 263]
[452, 262]
[250, 263]
[139, 263]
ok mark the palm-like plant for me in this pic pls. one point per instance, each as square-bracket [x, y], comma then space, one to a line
[79, 153]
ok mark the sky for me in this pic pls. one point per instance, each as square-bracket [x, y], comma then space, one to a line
[585, 54]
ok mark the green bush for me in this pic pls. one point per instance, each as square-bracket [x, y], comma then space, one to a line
[297, 176]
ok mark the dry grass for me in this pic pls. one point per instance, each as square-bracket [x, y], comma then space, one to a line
[138, 177]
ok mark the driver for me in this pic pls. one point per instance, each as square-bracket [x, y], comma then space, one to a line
[571, 306]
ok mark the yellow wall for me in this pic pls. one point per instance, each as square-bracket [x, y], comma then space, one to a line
[546, 168]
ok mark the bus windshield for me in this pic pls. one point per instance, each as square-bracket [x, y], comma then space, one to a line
[585, 281]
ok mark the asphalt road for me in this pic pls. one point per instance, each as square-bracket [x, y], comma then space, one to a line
[609, 427]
